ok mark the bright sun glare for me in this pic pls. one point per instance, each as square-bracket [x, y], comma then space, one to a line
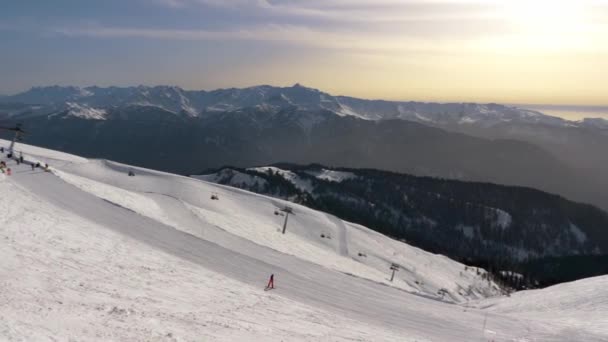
[548, 16]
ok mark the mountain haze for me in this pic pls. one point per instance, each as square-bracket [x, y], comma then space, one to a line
[185, 131]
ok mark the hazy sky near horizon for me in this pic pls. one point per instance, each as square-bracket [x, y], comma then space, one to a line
[507, 51]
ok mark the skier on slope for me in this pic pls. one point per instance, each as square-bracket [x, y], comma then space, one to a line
[270, 285]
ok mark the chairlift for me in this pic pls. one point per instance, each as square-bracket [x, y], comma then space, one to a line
[19, 132]
[279, 211]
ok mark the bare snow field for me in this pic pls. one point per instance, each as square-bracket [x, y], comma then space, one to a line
[90, 253]
[578, 305]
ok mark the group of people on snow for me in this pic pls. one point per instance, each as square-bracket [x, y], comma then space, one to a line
[19, 160]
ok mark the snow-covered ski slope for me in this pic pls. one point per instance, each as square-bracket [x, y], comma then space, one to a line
[580, 305]
[89, 253]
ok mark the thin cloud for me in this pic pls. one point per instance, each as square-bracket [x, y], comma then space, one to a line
[372, 11]
[348, 11]
[364, 42]
[288, 34]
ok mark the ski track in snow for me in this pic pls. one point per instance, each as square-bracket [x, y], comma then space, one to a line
[93, 256]
[343, 247]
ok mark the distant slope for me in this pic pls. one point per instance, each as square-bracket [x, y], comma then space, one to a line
[496, 226]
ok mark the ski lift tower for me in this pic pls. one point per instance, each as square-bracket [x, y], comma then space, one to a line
[19, 132]
[394, 268]
[287, 210]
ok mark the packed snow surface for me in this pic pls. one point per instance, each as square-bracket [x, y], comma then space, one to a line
[90, 253]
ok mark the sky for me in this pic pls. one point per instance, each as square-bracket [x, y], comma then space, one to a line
[506, 51]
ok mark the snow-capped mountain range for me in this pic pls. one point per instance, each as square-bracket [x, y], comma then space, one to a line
[92, 102]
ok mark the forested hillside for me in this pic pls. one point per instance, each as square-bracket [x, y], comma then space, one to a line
[499, 227]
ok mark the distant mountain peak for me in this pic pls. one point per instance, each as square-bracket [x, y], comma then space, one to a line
[300, 86]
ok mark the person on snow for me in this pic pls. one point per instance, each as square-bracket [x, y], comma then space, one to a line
[33, 166]
[270, 282]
